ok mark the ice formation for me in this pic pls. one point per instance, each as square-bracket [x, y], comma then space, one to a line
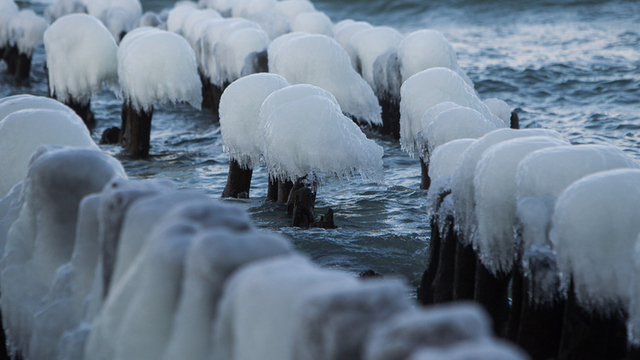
[25, 31]
[178, 14]
[42, 237]
[462, 188]
[313, 22]
[549, 171]
[23, 131]
[494, 184]
[318, 60]
[194, 23]
[81, 57]
[156, 66]
[342, 33]
[457, 123]
[324, 139]
[440, 326]
[369, 44]
[633, 325]
[386, 76]
[278, 284]
[473, 350]
[277, 44]
[292, 8]
[239, 113]
[214, 256]
[293, 93]
[444, 158]
[15, 103]
[426, 89]
[426, 49]
[333, 320]
[500, 109]
[594, 232]
[61, 8]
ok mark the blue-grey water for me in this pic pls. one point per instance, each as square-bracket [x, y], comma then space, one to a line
[572, 66]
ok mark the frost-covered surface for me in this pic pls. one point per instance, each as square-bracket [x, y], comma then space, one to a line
[426, 89]
[25, 31]
[239, 113]
[342, 33]
[313, 22]
[156, 66]
[594, 231]
[99, 8]
[271, 22]
[462, 187]
[292, 8]
[194, 22]
[500, 109]
[213, 258]
[293, 93]
[150, 19]
[333, 322]
[473, 350]
[15, 103]
[280, 285]
[318, 60]
[368, 45]
[438, 326]
[42, 238]
[425, 49]
[277, 44]
[540, 271]
[10, 206]
[312, 133]
[548, 172]
[533, 222]
[444, 158]
[494, 184]
[81, 57]
[178, 14]
[633, 324]
[456, 123]
[64, 7]
[21, 133]
[8, 10]
[386, 76]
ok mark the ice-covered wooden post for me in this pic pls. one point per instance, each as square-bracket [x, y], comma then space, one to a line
[494, 183]
[426, 95]
[303, 132]
[81, 58]
[594, 231]
[154, 66]
[239, 113]
[25, 30]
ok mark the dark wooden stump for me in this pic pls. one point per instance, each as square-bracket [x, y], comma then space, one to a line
[23, 67]
[492, 292]
[515, 121]
[590, 335]
[136, 131]
[284, 189]
[272, 190]
[444, 278]
[301, 204]
[84, 111]
[425, 290]
[238, 181]
[390, 117]
[425, 182]
[517, 294]
[464, 278]
[10, 57]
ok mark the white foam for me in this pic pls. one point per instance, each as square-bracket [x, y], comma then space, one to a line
[81, 57]
[494, 184]
[594, 232]
[239, 113]
[318, 60]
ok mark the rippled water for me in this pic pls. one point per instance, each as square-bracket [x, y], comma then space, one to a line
[572, 66]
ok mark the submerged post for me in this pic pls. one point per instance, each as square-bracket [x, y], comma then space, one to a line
[136, 130]
[238, 181]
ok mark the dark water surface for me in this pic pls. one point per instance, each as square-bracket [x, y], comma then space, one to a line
[572, 66]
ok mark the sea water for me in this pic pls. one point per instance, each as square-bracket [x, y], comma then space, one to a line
[572, 66]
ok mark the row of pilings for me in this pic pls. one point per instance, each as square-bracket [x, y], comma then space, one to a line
[548, 323]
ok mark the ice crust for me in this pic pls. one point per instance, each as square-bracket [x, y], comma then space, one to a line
[318, 60]
[500, 109]
[429, 88]
[445, 157]
[25, 31]
[368, 45]
[23, 131]
[81, 57]
[462, 187]
[344, 31]
[456, 123]
[156, 66]
[441, 326]
[313, 22]
[239, 114]
[324, 139]
[594, 232]
[14, 103]
[426, 49]
[473, 350]
[495, 187]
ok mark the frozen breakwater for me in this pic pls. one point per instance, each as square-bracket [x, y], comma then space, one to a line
[438, 116]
